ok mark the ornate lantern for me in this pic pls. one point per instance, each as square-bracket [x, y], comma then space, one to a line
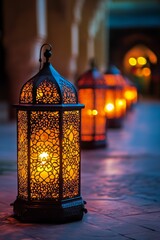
[48, 123]
[130, 93]
[91, 89]
[115, 103]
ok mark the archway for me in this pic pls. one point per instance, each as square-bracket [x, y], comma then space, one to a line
[139, 64]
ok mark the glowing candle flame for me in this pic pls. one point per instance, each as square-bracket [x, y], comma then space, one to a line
[43, 156]
[92, 112]
[109, 107]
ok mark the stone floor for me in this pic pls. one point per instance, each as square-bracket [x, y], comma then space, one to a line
[121, 185]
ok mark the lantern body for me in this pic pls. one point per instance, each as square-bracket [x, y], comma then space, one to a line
[91, 89]
[130, 93]
[115, 103]
[49, 122]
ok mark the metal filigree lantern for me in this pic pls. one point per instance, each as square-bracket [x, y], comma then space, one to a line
[115, 103]
[91, 91]
[48, 125]
[130, 93]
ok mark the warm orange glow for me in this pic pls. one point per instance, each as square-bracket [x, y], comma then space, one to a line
[87, 137]
[141, 60]
[120, 102]
[110, 79]
[139, 72]
[146, 72]
[130, 94]
[109, 107]
[93, 112]
[153, 59]
[44, 171]
[138, 56]
[89, 111]
[39, 94]
[132, 61]
[115, 106]
[93, 116]
[43, 156]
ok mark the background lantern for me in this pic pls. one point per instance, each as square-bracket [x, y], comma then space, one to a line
[91, 89]
[115, 103]
[49, 121]
[130, 93]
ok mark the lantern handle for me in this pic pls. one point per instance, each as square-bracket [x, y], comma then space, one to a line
[92, 63]
[47, 54]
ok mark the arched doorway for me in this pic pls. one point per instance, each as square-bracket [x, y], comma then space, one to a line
[141, 41]
[139, 64]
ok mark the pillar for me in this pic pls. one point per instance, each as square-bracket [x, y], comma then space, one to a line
[23, 36]
[86, 45]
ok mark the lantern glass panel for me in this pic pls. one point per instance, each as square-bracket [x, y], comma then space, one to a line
[100, 121]
[68, 92]
[115, 106]
[26, 95]
[110, 103]
[44, 155]
[130, 94]
[93, 116]
[71, 154]
[86, 96]
[120, 103]
[22, 154]
[47, 93]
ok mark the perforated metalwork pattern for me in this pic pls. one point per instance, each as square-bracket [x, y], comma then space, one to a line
[22, 154]
[26, 95]
[71, 154]
[47, 93]
[44, 155]
[68, 92]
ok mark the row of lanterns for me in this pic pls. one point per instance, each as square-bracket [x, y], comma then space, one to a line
[49, 137]
[107, 97]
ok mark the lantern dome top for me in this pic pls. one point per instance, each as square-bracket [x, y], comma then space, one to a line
[92, 78]
[48, 86]
[113, 77]
[113, 70]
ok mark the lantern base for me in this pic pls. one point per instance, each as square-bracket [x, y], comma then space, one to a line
[115, 122]
[66, 211]
[93, 144]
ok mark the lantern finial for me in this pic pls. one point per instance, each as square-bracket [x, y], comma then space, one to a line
[92, 63]
[47, 53]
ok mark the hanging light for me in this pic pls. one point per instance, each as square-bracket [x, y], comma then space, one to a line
[49, 152]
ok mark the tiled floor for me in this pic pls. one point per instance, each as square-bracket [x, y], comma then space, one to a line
[121, 185]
